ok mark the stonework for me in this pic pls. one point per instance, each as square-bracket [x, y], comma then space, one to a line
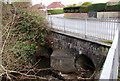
[63, 61]
[75, 47]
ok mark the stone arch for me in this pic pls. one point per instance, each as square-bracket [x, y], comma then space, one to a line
[84, 62]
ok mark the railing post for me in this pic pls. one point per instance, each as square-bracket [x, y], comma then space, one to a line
[64, 24]
[116, 57]
[86, 27]
[118, 39]
[51, 21]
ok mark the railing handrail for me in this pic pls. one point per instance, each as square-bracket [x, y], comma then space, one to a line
[108, 26]
[85, 18]
[110, 67]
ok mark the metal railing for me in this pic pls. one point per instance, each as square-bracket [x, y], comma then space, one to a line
[98, 28]
[110, 67]
[104, 29]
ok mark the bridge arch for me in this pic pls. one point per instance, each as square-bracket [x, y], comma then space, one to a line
[85, 62]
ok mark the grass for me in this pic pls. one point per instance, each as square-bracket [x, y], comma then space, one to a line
[55, 11]
[108, 42]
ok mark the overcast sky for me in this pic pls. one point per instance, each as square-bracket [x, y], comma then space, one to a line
[66, 2]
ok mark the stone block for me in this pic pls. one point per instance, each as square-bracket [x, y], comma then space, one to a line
[63, 61]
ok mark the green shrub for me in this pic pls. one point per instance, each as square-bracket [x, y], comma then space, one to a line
[55, 11]
[98, 7]
[113, 7]
[88, 7]
[76, 9]
[71, 9]
[83, 9]
[25, 37]
[30, 30]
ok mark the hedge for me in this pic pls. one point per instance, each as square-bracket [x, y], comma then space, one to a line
[71, 9]
[55, 11]
[98, 7]
[114, 7]
[83, 9]
[76, 9]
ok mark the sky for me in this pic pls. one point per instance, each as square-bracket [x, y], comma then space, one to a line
[66, 2]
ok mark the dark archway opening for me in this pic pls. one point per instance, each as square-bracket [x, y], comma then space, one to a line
[85, 63]
[42, 57]
[45, 59]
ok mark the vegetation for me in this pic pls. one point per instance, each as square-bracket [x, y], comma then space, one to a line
[89, 7]
[113, 7]
[55, 11]
[98, 7]
[30, 30]
[85, 8]
[75, 9]
[109, 42]
[25, 39]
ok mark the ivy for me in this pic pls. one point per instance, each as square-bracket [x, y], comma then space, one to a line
[30, 30]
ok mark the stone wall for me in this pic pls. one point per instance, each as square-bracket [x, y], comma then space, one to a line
[94, 14]
[77, 47]
[107, 14]
[81, 15]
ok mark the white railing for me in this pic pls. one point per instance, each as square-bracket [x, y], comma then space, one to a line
[111, 65]
[99, 28]
[92, 27]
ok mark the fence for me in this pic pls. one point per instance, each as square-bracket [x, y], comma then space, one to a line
[98, 28]
[110, 68]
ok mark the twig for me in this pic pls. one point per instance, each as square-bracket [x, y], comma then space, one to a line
[33, 66]
[8, 72]
[8, 32]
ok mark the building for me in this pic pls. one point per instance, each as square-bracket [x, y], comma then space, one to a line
[38, 6]
[113, 1]
[55, 5]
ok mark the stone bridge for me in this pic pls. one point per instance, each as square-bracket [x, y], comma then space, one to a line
[72, 52]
